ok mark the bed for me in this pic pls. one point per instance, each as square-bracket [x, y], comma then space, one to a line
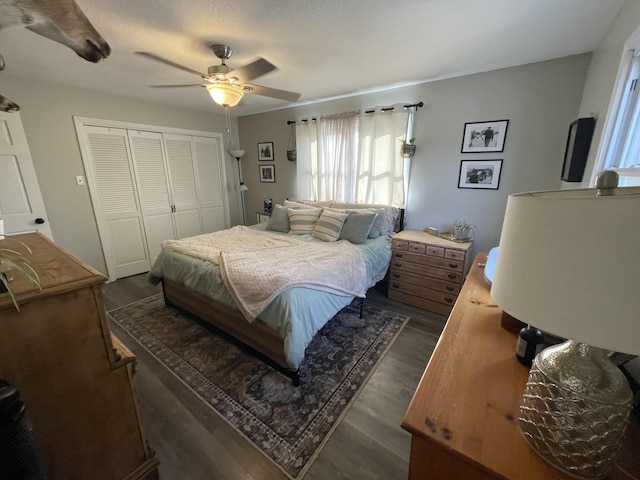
[279, 325]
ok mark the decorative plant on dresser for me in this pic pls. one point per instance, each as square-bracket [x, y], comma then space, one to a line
[427, 271]
[74, 376]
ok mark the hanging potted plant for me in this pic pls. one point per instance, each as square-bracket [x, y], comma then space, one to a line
[12, 260]
[408, 148]
[292, 153]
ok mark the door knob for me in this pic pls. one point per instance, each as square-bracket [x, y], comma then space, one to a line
[39, 221]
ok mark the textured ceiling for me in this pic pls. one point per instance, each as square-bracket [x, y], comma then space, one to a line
[323, 49]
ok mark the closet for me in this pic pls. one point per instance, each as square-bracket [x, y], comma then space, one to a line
[148, 185]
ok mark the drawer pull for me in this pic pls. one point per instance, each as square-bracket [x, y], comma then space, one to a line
[453, 265]
[451, 276]
[397, 264]
[396, 275]
[450, 289]
[395, 285]
[448, 300]
[398, 255]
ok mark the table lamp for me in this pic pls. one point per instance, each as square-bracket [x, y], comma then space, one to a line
[569, 264]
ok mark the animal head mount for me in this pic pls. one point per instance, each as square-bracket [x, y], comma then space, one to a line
[59, 20]
[6, 105]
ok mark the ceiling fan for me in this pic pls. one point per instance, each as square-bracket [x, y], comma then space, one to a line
[226, 85]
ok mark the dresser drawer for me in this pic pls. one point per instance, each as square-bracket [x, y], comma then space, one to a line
[417, 247]
[428, 260]
[399, 275]
[454, 254]
[399, 244]
[422, 292]
[423, 303]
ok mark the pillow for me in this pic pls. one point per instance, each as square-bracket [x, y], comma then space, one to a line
[378, 224]
[329, 226]
[289, 203]
[357, 226]
[279, 221]
[390, 214]
[303, 221]
[312, 203]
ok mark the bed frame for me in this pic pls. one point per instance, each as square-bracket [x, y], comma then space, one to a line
[230, 322]
[261, 340]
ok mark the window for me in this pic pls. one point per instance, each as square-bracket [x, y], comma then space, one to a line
[621, 136]
[353, 157]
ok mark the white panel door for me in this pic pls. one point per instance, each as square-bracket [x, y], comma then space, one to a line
[209, 179]
[21, 205]
[182, 178]
[153, 188]
[112, 186]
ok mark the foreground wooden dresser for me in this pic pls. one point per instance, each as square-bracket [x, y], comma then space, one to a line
[74, 377]
[463, 417]
[427, 271]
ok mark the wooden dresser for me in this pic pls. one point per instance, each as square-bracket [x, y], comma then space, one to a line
[427, 271]
[74, 377]
[463, 417]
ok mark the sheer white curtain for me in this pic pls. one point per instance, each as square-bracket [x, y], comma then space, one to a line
[351, 157]
[381, 169]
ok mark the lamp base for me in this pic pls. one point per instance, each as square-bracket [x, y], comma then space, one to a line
[575, 409]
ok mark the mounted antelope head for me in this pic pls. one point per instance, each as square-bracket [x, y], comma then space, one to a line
[6, 105]
[59, 20]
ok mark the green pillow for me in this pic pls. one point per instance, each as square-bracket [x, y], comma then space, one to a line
[279, 221]
[357, 226]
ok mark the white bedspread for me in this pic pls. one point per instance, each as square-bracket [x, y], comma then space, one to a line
[254, 278]
[239, 238]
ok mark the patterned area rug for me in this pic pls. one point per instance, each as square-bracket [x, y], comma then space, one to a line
[288, 424]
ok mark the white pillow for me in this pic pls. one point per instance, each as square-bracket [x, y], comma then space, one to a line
[329, 226]
[303, 221]
[290, 203]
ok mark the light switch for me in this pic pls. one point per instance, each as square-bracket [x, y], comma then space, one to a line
[80, 180]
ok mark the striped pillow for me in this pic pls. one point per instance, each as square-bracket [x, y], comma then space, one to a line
[303, 221]
[329, 226]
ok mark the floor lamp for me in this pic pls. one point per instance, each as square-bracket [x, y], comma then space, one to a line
[237, 154]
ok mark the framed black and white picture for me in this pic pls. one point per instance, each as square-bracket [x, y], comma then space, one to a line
[483, 174]
[267, 173]
[484, 136]
[265, 151]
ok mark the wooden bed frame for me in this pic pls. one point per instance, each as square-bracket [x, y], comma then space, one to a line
[256, 335]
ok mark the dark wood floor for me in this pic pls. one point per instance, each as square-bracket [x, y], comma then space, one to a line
[193, 443]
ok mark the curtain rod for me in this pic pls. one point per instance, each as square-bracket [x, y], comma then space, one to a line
[384, 109]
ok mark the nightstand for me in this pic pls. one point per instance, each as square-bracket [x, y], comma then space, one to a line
[263, 217]
[427, 271]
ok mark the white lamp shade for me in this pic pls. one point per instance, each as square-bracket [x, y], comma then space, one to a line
[236, 153]
[569, 264]
[225, 94]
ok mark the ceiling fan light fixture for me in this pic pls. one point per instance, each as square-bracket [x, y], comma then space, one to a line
[225, 94]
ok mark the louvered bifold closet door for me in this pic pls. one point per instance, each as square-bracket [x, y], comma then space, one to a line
[147, 150]
[119, 212]
[209, 179]
[182, 181]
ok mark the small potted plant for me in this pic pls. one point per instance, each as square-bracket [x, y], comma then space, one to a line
[12, 260]
[463, 230]
[408, 147]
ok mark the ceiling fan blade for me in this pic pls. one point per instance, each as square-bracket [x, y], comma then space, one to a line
[155, 57]
[177, 86]
[252, 70]
[272, 92]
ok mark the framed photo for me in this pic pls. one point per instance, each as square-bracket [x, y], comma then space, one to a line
[265, 151]
[484, 136]
[267, 173]
[484, 174]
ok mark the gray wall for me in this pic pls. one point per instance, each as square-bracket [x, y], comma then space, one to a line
[47, 111]
[539, 100]
[602, 75]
